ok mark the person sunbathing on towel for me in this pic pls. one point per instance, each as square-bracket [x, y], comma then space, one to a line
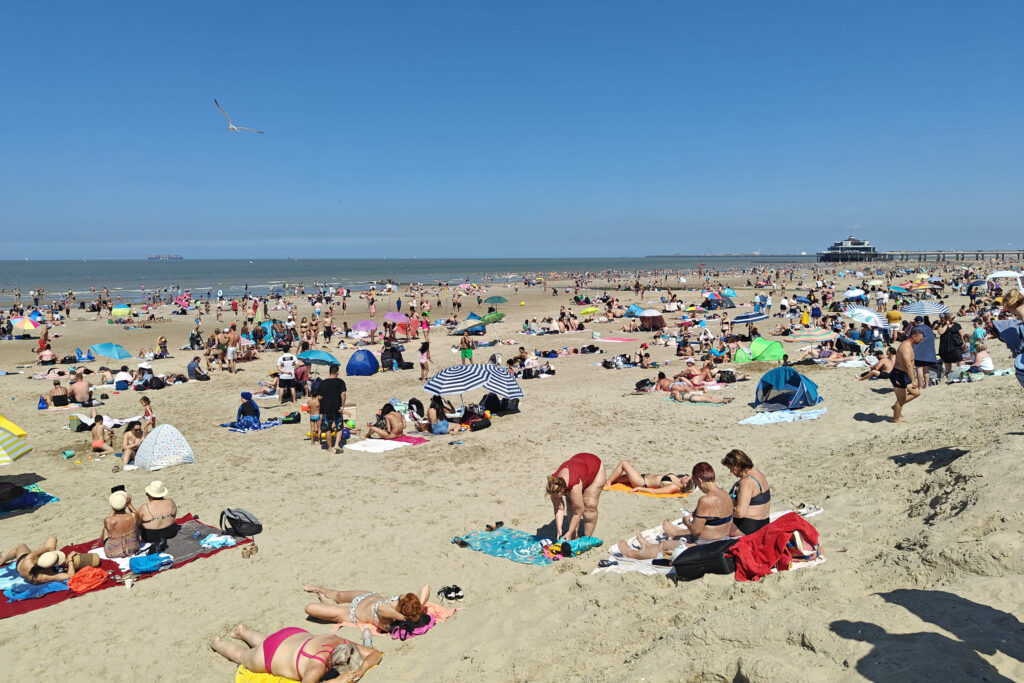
[624, 473]
[710, 522]
[393, 424]
[697, 396]
[367, 607]
[296, 654]
[42, 565]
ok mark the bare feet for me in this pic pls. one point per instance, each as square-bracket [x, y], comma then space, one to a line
[215, 642]
[623, 546]
[237, 631]
[310, 588]
[644, 543]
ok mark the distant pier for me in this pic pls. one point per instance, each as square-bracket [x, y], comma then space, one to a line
[968, 255]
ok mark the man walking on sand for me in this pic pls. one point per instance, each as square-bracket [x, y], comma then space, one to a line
[234, 341]
[903, 374]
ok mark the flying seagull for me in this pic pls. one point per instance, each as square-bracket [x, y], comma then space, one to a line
[232, 126]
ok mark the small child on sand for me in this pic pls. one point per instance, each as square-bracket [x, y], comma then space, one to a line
[148, 416]
[314, 419]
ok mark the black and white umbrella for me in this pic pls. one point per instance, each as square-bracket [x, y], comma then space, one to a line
[747, 318]
[459, 379]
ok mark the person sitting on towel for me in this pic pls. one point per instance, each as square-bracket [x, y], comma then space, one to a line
[390, 424]
[710, 522]
[751, 494]
[157, 515]
[121, 527]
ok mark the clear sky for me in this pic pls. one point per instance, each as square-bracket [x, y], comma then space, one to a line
[476, 128]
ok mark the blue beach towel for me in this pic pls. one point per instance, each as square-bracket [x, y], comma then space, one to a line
[32, 498]
[16, 588]
[519, 546]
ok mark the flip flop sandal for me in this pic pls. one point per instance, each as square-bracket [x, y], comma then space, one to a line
[807, 510]
[495, 526]
[246, 552]
[607, 563]
[116, 468]
[460, 542]
[455, 593]
[253, 549]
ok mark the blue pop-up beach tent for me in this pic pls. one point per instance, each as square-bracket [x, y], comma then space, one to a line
[362, 364]
[634, 311]
[787, 388]
[478, 329]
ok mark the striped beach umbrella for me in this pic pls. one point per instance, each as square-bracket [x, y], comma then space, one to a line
[813, 336]
[458, 379]
[863, 314]
[925, 308]
[24, 323]
[11, 447]
[747, 318]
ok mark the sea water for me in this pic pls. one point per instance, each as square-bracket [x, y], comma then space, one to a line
[130, 279]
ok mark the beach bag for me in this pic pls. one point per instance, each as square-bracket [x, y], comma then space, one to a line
[477, 425]
[405, 365]
[239, 522]
[495, 359]
[68, 360]
[726, 376]
[491, 402]
[87, 579]
[416, 406]
[607, 364]
[693, 563]
[146, 564]
[43, 405]
[292, 418]
[644, 384]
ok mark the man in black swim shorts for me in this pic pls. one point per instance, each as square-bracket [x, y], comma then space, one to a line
[902, 374]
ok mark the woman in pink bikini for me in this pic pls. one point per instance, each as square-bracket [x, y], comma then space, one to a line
[297, 654]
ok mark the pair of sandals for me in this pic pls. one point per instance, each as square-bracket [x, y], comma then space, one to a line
[452, 592]
[250, 550]
[462, 543]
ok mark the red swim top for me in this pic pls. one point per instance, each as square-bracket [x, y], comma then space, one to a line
[583, 467]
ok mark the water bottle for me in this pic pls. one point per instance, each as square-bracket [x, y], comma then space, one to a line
[394, 364]
[367, 637]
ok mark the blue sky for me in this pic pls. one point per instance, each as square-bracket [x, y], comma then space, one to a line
[520, 129]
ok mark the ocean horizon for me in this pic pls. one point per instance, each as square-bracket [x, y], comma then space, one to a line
[131, 278]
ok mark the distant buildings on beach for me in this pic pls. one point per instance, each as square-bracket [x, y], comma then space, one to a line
[164, 257]
[849, 249]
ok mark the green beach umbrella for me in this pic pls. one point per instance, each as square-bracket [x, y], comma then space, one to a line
[495, 300]
[589, 310]
[492, 318]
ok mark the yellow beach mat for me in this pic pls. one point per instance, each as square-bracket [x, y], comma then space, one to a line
[12, 428]
[626, 488]
[243, 675]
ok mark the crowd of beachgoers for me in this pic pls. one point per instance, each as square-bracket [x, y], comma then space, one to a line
[893, 322]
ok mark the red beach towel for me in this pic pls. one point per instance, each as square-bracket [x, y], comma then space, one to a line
[765, 549]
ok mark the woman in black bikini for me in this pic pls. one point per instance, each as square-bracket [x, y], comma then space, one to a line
[624, 473]
[710, 521]
[751, 495]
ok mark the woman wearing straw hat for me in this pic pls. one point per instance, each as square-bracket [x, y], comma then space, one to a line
[121, 527]
[47, 564]
[157, 515]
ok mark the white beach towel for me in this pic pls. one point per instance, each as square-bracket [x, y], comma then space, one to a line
[654, 534]
[374, 445]
[783, 416]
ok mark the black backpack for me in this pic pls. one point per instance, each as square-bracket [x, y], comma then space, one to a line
[644, 384]
[491, 402]
[416, 406]
[695, 562]
[240, 522]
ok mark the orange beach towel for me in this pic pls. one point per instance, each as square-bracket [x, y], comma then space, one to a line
[626, 488]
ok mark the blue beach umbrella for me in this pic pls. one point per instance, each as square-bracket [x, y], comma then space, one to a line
[729, 291]
[803, 299]
[898, 290]
[318, 358]
[110, 350]
[747, 318]
[459, 379]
